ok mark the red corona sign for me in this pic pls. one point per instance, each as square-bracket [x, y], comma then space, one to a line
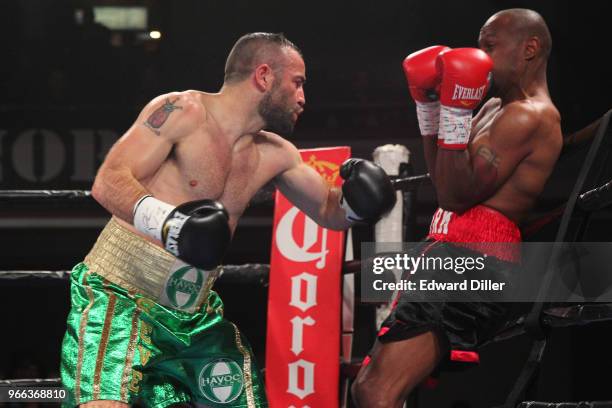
[303, 339]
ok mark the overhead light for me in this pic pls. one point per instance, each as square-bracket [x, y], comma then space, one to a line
[156, 35]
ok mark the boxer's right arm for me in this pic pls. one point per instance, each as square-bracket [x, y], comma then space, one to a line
[139, 153]
[423, 83]
[185, 229]
[365, 195]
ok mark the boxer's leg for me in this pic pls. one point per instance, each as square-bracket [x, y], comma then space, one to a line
[101, 343]
[209, 360]
[394, 370]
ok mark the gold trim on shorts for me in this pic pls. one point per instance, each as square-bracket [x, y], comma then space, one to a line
[127, 368]
[81, 348]
[108, 318]
[246, 368]
[130, 261]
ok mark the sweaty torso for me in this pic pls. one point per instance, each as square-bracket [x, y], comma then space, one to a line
[203, 165]
[518, 193]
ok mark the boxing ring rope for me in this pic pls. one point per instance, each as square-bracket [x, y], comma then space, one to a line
[593, 199]
[250, 273]
[582, 404]
[265, 195]
[32, 382]
[42, 194]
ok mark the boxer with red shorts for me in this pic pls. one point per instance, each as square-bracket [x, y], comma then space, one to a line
[487, 171]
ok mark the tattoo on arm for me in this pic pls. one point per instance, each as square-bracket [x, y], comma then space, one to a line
[488, 155]
[159, 117]
[486, 163]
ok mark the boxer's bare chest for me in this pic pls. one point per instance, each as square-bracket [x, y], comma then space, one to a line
[204, 165]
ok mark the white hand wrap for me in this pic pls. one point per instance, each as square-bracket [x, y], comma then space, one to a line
[455, 127]
[428, 114]
[149, 216]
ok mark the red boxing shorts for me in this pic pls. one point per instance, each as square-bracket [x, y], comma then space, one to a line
[460, 325]
[481, 229]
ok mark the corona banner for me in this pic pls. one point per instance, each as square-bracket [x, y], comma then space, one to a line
[303, 333]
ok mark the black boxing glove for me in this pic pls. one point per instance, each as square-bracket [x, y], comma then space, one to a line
[197, 232]
[367, 193]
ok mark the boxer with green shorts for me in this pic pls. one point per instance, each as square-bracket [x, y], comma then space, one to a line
[144, 323]
[122, 345]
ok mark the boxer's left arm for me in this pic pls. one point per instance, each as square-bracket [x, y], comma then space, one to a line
[305, 188]
[366, 194]
[468, 177]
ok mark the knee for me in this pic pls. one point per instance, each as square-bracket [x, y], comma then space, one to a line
[367, 394]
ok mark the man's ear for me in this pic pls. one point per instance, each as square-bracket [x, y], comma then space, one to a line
[532, 48]
[263, 77]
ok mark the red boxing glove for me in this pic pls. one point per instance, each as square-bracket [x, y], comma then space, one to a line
[423, 83]
[465, 78]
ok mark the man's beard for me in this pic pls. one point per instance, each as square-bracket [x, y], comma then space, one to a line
[276, 114]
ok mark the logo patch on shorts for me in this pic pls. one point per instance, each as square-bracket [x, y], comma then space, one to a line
[184, 286]
[221, 381]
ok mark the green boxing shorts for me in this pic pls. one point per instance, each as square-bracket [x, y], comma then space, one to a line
[130, 338]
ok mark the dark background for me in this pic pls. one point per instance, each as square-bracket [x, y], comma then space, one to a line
[69, 90]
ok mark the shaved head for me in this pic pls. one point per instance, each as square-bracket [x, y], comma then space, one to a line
[524, 24]
[254, 49]
[519, 43]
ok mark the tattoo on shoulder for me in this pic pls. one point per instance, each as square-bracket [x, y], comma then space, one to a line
[159, 117]
[488, 155]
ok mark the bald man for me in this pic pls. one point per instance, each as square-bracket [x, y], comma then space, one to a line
[144, 322]
[487, 170]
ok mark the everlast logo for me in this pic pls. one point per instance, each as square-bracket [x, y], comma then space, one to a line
[468, 93]
[173, 232]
